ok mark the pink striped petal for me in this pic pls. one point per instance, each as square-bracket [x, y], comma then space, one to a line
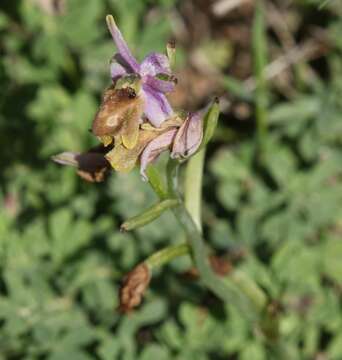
[121, 44]
[154, 149]
[154, 64]
[157, 107]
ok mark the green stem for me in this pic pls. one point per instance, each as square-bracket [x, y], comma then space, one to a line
[163, 256]
[150, 214]
[172, 178]
[157, 182]
[249, 287]
[222, 287]
[238, 289]
[193, 186]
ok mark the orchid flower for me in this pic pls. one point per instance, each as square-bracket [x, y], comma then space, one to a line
[135, 121]
[154, 71]
[135, 124]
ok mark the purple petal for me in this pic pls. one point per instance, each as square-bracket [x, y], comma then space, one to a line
[157, 107]
[163, 86]
[154, 148]
[154, 64]
[189, 136]
[121, 45]
[117, 70]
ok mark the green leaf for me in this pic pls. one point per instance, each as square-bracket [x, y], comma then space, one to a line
[332, 255]
[155, 351]
[298, 111]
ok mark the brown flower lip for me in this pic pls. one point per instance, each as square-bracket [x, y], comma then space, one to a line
[114, 109]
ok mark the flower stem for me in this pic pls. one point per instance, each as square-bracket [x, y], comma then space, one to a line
[238, 289]
[193, 186]
[224, 288]
[172, 178]
[150, 214]
[156, 182]
[167, 254]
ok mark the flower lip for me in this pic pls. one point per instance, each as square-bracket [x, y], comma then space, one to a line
[118, 106]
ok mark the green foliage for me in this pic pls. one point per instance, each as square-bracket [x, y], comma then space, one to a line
[62, 256]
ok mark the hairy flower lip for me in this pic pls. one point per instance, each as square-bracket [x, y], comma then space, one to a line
[119, 111]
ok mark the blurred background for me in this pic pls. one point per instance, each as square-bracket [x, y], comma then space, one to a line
[272, 186]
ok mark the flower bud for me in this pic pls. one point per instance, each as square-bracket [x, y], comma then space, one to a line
[152, 213]
[188, 137]
[134, 287]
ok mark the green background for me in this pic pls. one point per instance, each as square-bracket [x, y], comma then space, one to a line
[277, 217]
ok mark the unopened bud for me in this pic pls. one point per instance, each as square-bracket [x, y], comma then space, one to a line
[189, 136]
[134, 287]
[149, 215]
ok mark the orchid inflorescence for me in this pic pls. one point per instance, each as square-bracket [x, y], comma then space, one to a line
[135, 123]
